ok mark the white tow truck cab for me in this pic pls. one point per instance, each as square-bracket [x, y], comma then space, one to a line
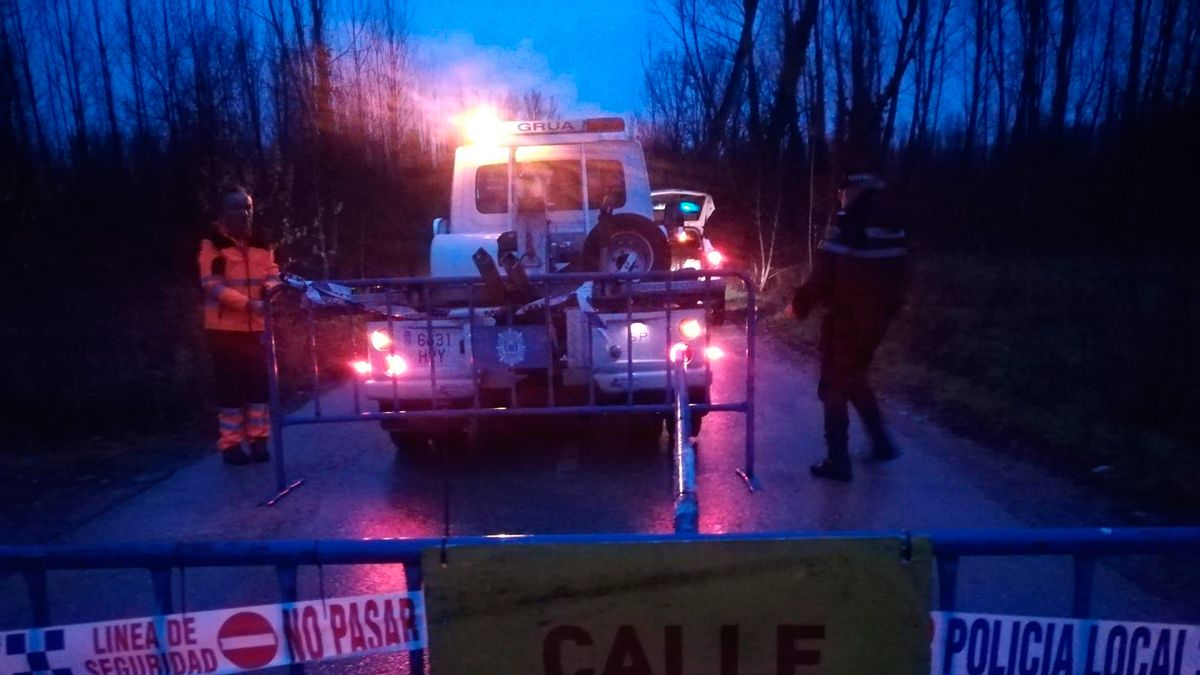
[542, 198]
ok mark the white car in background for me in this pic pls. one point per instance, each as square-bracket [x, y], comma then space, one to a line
[684, 213]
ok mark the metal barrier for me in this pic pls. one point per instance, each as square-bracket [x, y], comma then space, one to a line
[390, 300]
[687, 502]
[949, 547]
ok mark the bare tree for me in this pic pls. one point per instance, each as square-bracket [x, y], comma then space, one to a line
[110, 106]
[797, 24]
[65, 27]
[1062, 65]
[733, 82]
[135, 72]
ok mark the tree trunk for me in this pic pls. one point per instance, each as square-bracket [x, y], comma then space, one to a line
[1133, 79]
[135, 72]
[716, 125]
[1062, 67]
[114, 130]
[31, 90]
[797, 32]
[66, 31]
[982, 29]
[1156, 83]
[13, 138]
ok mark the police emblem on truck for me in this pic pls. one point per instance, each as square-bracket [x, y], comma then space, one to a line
[510, 347]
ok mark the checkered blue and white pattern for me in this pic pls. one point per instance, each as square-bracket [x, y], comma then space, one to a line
[37, 652]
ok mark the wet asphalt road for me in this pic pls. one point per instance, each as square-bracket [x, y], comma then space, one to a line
[542, 477]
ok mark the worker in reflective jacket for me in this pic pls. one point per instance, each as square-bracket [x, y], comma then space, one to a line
[236, 270]
[858, 277]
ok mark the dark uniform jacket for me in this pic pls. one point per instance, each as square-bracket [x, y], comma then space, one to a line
[859, 276]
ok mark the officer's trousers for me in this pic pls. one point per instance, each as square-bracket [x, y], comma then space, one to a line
[849, 337]
[240, 376]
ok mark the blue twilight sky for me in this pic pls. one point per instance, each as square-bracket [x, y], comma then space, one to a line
[587, 54]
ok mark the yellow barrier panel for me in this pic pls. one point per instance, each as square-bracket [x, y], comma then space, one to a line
[848, 606]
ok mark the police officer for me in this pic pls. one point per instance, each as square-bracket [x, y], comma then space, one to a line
[858, 277]
[236, 270]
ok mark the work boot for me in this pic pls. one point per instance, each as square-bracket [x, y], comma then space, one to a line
[832, 470]
[234, 456]
[883, 450]
[258, 450]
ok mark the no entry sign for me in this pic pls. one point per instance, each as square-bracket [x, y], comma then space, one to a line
[248, 640]
[224, 640]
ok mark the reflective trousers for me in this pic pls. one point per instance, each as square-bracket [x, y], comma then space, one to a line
[240, 374]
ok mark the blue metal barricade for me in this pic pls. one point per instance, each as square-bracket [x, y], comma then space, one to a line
[1085, 546]
[625, 293]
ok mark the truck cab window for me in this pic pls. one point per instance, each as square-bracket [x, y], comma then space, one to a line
[563, 184]
[491, 188]
[605, 176]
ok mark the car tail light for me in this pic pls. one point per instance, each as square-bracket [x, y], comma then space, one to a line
[681, 350]
[380, 340]
[715, 258]
[690, 329]
[714, 353]
[396, 365]
[361, 367]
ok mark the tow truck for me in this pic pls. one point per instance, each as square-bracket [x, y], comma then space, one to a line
[550, 285]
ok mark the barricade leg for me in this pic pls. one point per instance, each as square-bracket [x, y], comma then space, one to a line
[415, 581]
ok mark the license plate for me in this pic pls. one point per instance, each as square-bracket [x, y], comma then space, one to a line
[441, 346]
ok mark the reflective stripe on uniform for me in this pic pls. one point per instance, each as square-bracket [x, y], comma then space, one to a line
[853, 252]
[229, 423]
[258, 424]
[885, 233]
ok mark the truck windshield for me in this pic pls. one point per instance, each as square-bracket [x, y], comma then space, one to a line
[563, 182]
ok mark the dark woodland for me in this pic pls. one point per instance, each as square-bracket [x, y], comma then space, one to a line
[1042, 153]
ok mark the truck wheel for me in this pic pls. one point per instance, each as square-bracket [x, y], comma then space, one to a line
[409, 442]
[645, 431]
[716, 314]
[626, 242]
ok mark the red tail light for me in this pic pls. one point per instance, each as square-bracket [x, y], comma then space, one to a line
[396, 365]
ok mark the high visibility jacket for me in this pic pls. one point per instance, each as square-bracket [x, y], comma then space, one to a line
[235, 277]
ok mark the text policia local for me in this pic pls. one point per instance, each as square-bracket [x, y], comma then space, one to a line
[1023, 646]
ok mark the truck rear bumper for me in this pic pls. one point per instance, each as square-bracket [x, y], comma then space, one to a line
[613, 382]
[462, 389]
[448, 389]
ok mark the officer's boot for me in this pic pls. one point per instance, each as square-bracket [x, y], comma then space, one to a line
[882, 448]
[836, 466]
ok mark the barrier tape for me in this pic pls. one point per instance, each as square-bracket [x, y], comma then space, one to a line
[992, 644]
[222, 641]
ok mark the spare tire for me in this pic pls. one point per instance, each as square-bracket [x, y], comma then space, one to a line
[626, 242]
